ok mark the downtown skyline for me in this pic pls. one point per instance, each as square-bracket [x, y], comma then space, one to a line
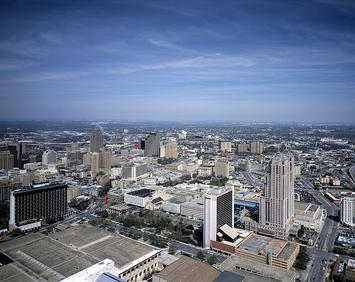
[197, 60]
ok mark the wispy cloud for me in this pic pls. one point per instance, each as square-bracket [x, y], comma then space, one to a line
[215, 61]
[15, 64]
[51, 37]
[47, 76]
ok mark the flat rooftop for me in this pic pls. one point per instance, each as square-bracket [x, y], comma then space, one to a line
[67, 252]
[260, 244]
[141, 192]
[39, 187]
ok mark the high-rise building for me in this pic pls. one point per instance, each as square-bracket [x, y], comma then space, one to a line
[243, 148]
[225, 146]
[256, 147]
[95, 163]
[6, 160]
[171, 149]
[347, 212]
[277, 203]
[32, 206]
[133, 171]
[152, 145]
[96, 140]
[222, 168]
[49, 157]
[218, 210]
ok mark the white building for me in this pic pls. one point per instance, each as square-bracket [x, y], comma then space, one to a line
[49, 157]
[347, 212]
[218, 210]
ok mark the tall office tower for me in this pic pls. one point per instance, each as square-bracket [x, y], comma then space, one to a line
[6, 160]
[95, 164]
[225, 146]
[96, 140]
[32, 206]
[347, 212]
[243, 148]
[162, 150]
[171, 149]
[105, 160]
[49, 157]
[222, 168]
[256, 147]
[218, 210]
[277, 204]
[152, 145]
[18, 150]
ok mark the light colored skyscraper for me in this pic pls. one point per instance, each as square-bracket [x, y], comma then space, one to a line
[218, 210]
[49, 157]
[256, 147]
[96, 140]
[277, 203]
[171, 149]
[222, 168]
[225, 146]
[243, 148]
[347, 212]
[6, 160]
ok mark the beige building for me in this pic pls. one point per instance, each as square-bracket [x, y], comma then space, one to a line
[171, 149]
[243, 148]
[225, 146]
[266, 250]
[222, 168]
[256, 147]
[6, 160]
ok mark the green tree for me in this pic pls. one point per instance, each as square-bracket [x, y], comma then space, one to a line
[172, 249]
[200, 255]
[212, 260]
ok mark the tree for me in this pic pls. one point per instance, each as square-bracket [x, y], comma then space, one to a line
[212, 260]
[172, 249]
[200, 255]
[111, 229]
[16, 232]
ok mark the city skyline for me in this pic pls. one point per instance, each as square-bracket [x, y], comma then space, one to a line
[200, 60]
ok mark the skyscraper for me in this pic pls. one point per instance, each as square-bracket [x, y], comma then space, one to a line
[30, 207]
[6, 160]
[152, 145]
[277, 203]
[256, 147]
[96, 140]
[222, 168]
[225, 146]
[49, 157]
[218, 210]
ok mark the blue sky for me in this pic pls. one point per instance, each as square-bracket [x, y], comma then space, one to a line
[178, 60]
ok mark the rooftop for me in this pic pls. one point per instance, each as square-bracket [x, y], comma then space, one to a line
[188, 269]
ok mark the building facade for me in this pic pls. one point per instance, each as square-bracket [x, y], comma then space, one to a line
[277, 203]
[222, 168]
[347, 212]
[256, 147]
[96, 140]
[225, 146]
[6, 160]
[152, 145]
[32, 206]
[218, 210]
[49, 157]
